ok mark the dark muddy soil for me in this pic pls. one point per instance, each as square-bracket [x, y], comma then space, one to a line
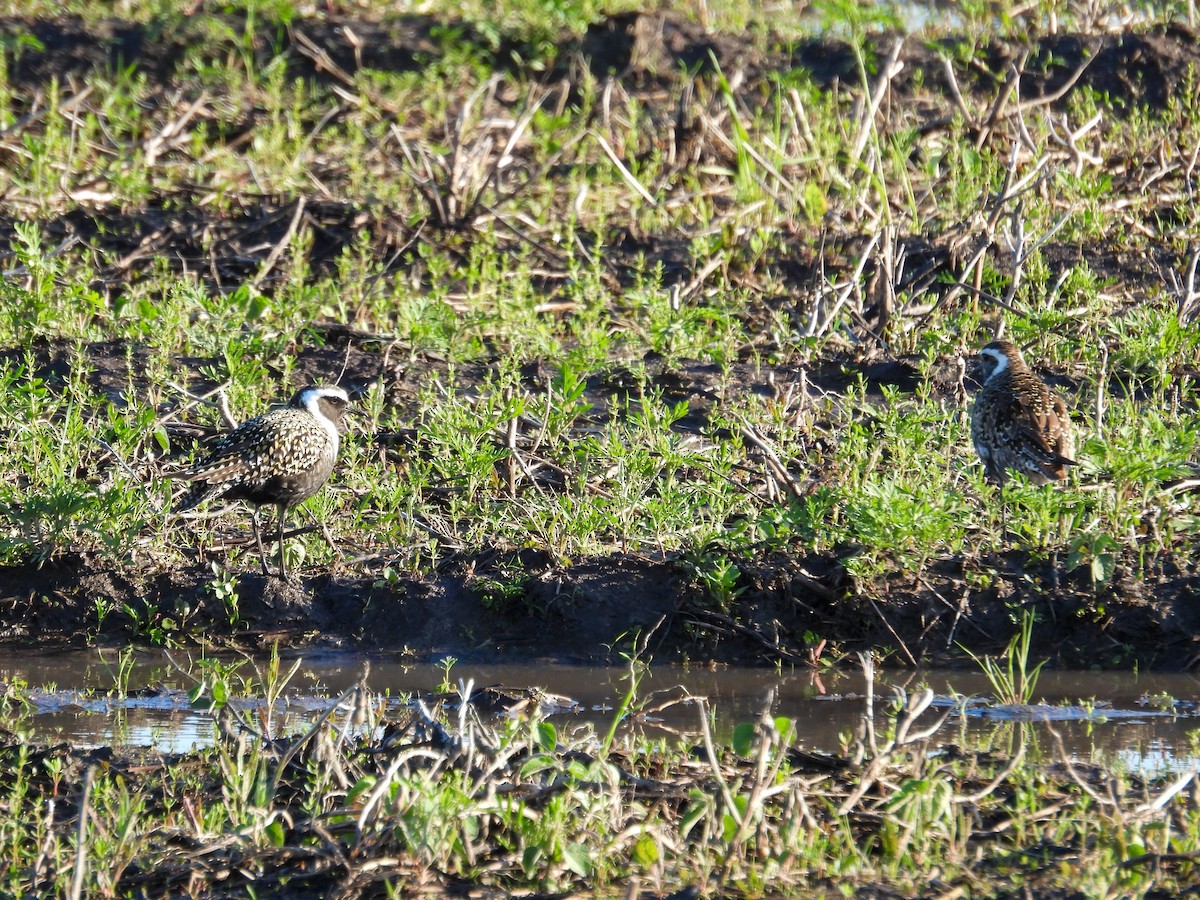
[799, 610]
[593, 611]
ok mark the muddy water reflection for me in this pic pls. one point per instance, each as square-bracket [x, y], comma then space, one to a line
[1118, 714]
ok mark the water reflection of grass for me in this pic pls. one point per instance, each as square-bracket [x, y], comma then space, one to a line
[361, 802]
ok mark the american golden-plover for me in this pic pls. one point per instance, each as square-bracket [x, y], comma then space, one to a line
[1017, 423]
[282, 457]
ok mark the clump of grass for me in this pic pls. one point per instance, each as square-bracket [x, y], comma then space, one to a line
[1013, 680]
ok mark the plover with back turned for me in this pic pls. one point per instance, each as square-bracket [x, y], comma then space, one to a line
[1017, 423]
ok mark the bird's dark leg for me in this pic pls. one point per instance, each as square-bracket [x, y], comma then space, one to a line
[262, 554]
[282, 559]
[1003, 513]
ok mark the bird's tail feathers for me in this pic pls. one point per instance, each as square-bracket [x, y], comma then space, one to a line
[199, 492]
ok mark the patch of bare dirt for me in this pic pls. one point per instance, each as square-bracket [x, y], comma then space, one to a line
[800, 611]
[1147, 67]
[222, 248]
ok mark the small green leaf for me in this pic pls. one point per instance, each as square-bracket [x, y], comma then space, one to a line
[743, 739]
[196, 694]
[1103, 566]
[275, 833]
[645, 851]
[547, 736]
[360, 787]
[729, 828]
[530, 858]
[536, 764]
[729, 831]
[578, 860]
[699, 808]
[814, 201]
[909, 788]
[786, 727]
[258, 308]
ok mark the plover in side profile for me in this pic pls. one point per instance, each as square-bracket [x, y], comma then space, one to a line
[282, 457]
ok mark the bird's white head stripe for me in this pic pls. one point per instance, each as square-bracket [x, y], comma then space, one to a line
[1000, 359]
[310, 399]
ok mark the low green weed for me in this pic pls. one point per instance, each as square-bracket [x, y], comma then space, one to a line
[1014, 680]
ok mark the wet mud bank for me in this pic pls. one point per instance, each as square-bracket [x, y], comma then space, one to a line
[801, 612]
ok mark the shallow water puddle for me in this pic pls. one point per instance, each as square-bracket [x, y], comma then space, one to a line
[1146, 720]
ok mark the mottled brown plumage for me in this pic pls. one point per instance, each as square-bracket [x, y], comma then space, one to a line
[1017, 423]
[282, 457]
